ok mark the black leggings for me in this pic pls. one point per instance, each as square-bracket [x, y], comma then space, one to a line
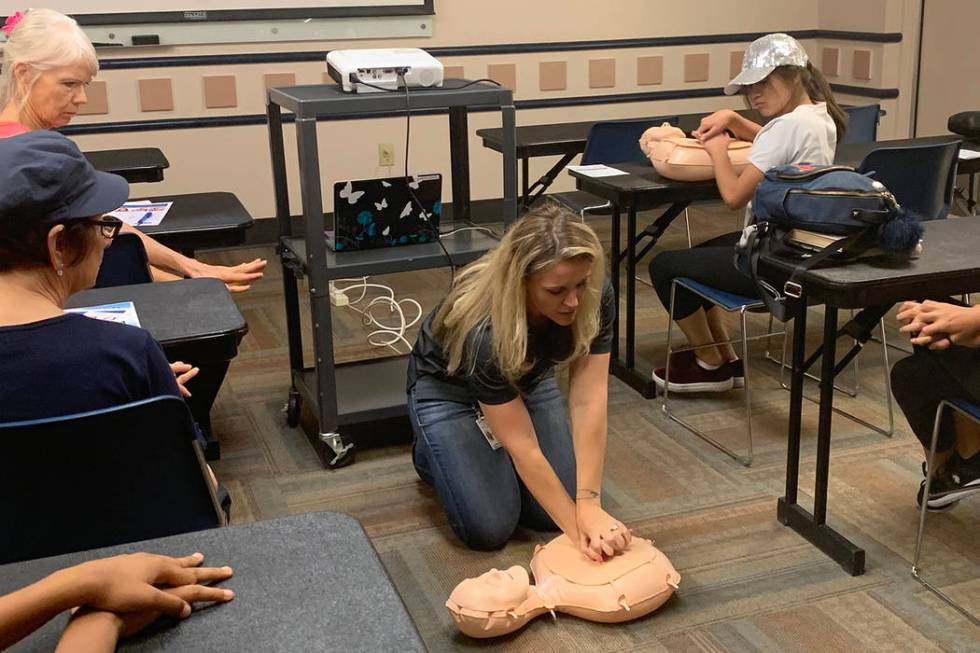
[925, 378]
[711, 263]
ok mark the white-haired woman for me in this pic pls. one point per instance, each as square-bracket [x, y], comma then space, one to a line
[48, 61]
[491, 428]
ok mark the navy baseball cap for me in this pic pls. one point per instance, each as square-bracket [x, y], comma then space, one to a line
[45, 179]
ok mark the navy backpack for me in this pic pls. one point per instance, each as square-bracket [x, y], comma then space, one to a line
[819, 214]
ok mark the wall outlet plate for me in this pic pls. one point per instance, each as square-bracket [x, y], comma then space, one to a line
[386, 154]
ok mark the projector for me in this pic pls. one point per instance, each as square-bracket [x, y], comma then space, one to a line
[383, 68]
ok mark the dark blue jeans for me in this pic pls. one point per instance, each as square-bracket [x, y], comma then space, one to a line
[478, 486]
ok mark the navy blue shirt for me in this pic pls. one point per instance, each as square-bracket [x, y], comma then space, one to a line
[72, 364]
[486, 383]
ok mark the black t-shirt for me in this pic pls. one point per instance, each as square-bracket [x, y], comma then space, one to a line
[486, 384]
[72, 364]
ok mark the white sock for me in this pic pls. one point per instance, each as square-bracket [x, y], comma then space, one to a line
[706, 366]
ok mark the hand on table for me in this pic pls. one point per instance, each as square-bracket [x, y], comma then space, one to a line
[237, 278]
[183, 372]
[130, 583]
[938, 325]
[600, 535]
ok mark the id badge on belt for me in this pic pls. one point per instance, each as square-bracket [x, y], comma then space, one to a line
[481, 423]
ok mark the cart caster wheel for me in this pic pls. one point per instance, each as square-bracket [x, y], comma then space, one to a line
[293, 409]
[342, 459]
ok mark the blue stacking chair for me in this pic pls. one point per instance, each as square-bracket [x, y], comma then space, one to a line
[124, 262]
[921, 177]
[971, 412]
[105, 477]
[730, 303]
[615, 141]
[862, 124]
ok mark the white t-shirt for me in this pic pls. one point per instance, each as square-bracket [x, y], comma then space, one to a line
[807, 134]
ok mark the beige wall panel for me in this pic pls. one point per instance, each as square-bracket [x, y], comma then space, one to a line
[98, 100]
[861, 65]
[454, 72]
[735, 63]
[697, 67]
[854, 15]
[602, 73]
[552, 76]
[220, 92]
[156, 94]
[504, 74]
[649, 70]
[830, 61]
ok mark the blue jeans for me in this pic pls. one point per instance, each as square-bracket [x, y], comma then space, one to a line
[478, 486]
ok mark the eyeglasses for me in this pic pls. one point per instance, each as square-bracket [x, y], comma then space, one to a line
[109, 226]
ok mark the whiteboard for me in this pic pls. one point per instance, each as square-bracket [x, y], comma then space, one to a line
[178, 22]
[122, 12]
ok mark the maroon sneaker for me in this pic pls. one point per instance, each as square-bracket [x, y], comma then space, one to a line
[687, 376]
[737, 368]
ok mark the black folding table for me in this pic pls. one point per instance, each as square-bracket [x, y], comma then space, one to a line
[205, 332]
[136, 165]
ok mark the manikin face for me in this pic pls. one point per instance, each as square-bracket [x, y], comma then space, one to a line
[554, 293]
[56, 96]
[495, 590]
[770, 97]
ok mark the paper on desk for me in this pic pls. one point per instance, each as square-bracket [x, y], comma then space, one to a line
[966, 155]
[596, 170]
[142, 213]
[121, 312]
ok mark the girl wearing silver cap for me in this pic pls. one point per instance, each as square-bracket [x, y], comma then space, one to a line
[780, 83]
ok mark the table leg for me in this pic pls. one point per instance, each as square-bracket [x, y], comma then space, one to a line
[814, 527]
[525, 174]
[631, 287]
[533, 192]
[796, 405]
[459, 158]
[614, 278]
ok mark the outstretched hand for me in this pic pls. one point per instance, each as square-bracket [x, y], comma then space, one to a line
[237, 278]
[129, 583]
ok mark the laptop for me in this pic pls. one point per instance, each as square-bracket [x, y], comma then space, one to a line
[372, 213]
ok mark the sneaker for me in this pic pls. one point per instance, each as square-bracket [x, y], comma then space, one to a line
[737, 368]
[930, 506]
[687, 376]
[956, 480]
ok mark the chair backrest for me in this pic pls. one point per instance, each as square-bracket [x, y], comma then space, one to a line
[106, 477]
[862, 124]
[618, 141]
[124, 263]
[921, 177]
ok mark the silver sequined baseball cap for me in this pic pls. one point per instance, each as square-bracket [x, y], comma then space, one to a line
[764, 56]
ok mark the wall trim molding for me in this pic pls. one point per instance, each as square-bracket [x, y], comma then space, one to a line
[166, 124]
[502, 48]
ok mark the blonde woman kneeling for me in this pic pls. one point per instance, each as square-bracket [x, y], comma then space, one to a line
[492, 432]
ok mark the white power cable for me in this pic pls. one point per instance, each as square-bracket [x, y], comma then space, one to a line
[384, 335]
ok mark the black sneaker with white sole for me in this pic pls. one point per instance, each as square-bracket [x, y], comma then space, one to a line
[686, 375]
[956, 480]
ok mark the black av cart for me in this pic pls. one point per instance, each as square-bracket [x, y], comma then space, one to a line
[341, 395]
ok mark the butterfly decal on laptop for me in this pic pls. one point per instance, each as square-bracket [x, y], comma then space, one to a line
[349, 194]
[382, 205]
[406, 211]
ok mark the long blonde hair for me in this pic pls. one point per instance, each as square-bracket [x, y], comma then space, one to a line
[492, 292]
[43, 39]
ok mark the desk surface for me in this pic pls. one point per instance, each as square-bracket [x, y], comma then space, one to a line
[310, 582]
[949, 265]
[206, 314]
[138, 164]
[199, 213]
[331, 101]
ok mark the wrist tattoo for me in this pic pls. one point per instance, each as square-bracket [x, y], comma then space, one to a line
[586, 493]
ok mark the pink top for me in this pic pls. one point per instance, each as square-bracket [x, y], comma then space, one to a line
[12, 129]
